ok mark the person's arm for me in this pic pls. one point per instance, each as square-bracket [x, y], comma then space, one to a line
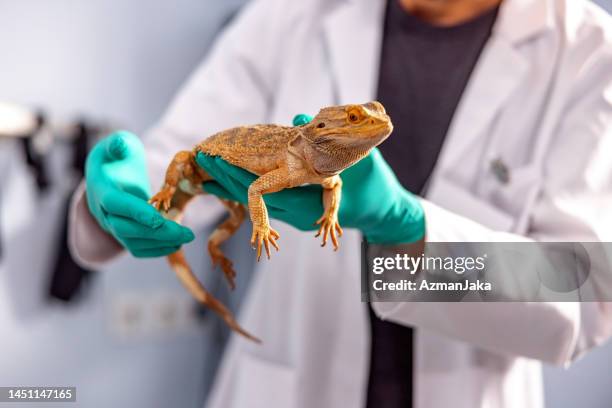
[573, 205]
[232, 86]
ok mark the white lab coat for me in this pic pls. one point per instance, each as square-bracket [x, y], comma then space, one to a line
[539, 101]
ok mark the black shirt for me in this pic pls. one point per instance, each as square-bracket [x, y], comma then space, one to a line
[423, 72]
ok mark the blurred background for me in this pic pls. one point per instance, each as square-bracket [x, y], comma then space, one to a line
[127, 335]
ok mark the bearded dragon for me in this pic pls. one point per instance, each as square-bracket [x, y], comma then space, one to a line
[283, 157]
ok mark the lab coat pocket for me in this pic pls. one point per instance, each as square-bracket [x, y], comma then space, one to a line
[264, 384]
[461, 201]
[513, 191]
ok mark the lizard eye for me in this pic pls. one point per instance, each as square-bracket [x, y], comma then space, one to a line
[321, 125]
[353, 117]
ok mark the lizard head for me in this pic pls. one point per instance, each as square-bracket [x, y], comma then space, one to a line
[339, 136]
[356, 125]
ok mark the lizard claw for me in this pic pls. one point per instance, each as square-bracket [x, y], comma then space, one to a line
[228, 269]
[162, 200]
[329, 226]
[265, 236]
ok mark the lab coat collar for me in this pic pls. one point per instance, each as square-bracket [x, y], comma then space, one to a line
[500, 70]
[353, 35]
[534, 16]
[520, 20]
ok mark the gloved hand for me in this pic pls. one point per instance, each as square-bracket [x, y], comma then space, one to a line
[373, 200]
[117, 192]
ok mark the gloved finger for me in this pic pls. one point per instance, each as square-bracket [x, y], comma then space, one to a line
[301, 119]
[218, 190]
[209, 164]
[284, 200]
[278, 214]
[363, 168]
[234, 172]
[115, 147]
[295, 198]
[117, 202]
[236, 181]
[141, 192]
[303, 223]
[154, 253]
[95, 160]
[143, 244]
[169, 232]
[212, 187]
[121, 144]
[224, 172]
[227, 175]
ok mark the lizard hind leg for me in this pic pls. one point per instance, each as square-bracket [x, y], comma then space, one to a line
[182, 182]
[221, 234]
[198, 291]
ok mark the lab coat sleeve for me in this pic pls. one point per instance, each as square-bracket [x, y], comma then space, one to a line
[573, 205]
[232, 86]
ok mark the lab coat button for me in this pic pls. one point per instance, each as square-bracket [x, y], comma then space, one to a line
[501, 171]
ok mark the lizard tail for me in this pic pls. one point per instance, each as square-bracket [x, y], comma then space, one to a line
[198, 291]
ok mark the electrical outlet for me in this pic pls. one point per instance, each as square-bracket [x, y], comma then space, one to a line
[128, 314]
[153, 314]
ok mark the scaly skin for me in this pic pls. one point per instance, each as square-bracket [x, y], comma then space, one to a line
[282, 157]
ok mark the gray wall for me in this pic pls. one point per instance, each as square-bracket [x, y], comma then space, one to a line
[123, 61]
[117, 61]
[113, 59]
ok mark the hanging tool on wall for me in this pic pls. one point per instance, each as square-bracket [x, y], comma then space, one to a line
[68, 278]
[37, 137]
[35, 156]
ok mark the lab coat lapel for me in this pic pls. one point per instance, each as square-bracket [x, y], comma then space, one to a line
[353, 33]
[499, 71]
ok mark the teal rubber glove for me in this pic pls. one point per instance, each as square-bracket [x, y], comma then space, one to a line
[117, 193]
[373, 200]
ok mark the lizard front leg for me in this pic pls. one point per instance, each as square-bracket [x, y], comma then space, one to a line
[328, 223]
[263, 233]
